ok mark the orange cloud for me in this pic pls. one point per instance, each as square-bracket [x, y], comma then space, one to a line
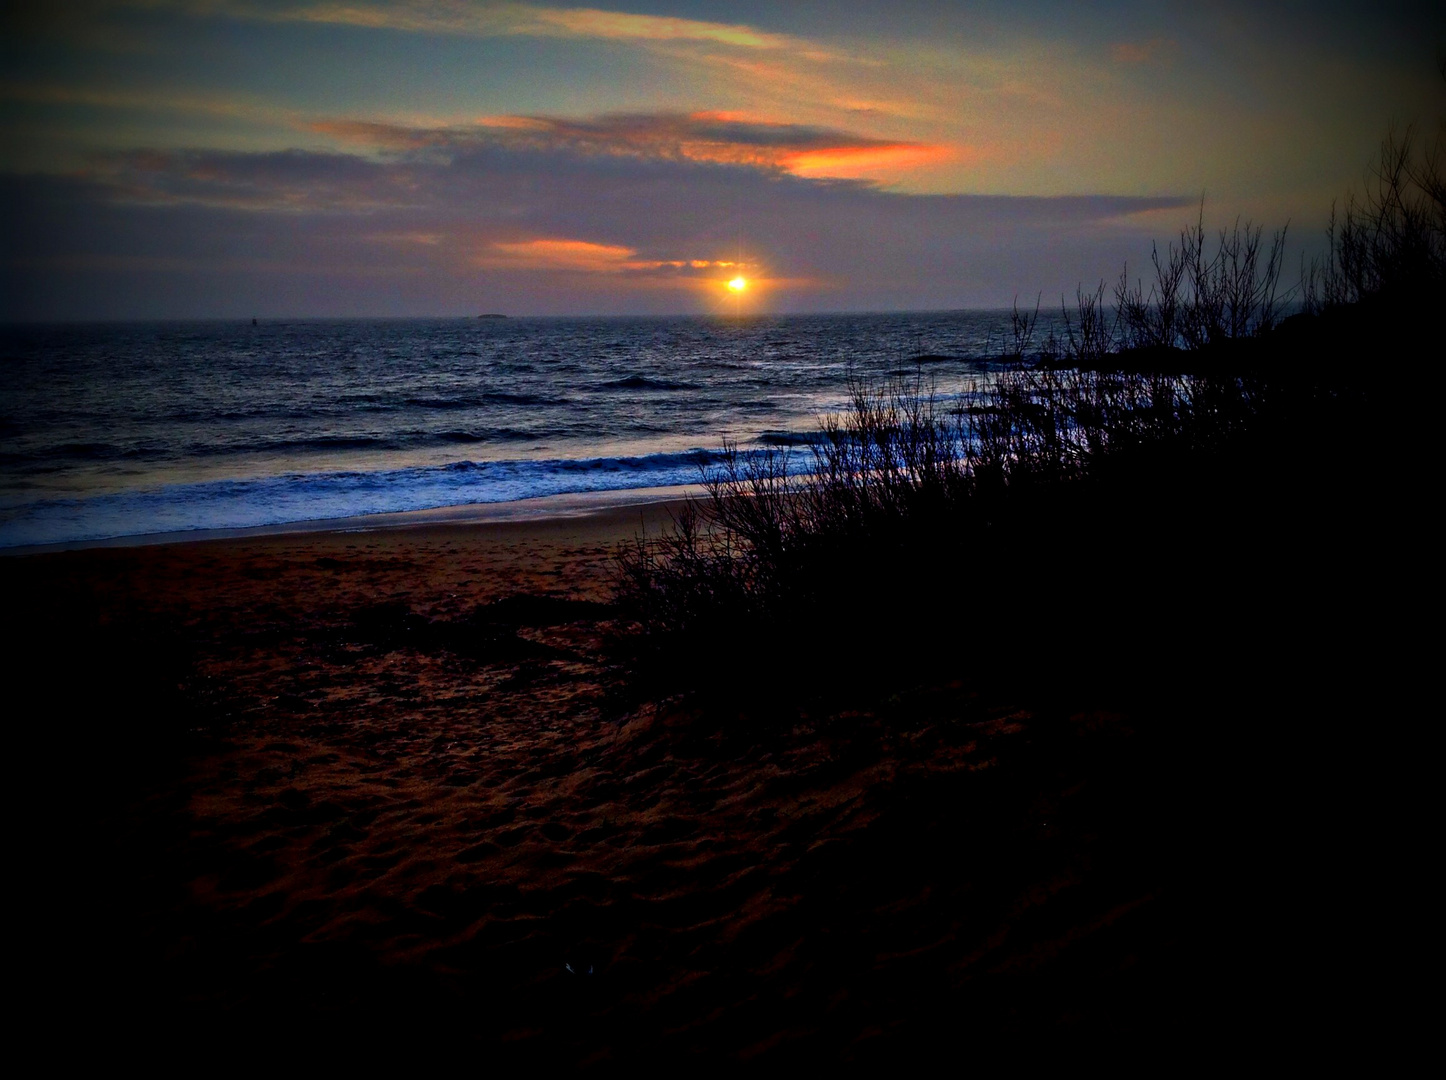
[498, 20]
[514, 123]
[853, 162]
[591, 22]
[707, 137]
[380, 135]
[580, 255]
[587, 257]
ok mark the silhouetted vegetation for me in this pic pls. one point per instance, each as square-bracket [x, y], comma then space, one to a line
[1164, 489]
[1205, 300]
[1387, 245]
[1060, 517]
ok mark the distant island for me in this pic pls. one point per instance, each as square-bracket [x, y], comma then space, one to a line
[492, 315]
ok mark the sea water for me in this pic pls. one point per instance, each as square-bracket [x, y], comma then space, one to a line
[141, 428]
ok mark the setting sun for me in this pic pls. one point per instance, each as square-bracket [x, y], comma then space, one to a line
[738, 284]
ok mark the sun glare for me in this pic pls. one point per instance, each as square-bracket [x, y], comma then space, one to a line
[738, 284]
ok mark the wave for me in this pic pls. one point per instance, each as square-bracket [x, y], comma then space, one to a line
[643, 382]
[86, 451]
[792, 438]
[477, 400]
[500, 435]
[330, 444]
[354, 404]
[299, 497]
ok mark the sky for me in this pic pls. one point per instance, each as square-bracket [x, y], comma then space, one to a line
[238, 158]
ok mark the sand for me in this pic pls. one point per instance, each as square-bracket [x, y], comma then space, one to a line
[384, 793]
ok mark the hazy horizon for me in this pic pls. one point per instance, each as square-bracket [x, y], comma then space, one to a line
[720, 316]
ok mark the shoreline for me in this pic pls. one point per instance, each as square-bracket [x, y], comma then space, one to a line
[649, 503]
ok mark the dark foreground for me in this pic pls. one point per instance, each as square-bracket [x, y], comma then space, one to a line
[322, 794]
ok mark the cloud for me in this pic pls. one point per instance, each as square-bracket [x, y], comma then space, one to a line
[291, 181]
[728, 137]
[865, 162]
[471, 19]
[543, 229]
[716, 137]
[590, 22]
[552, 254]
[582, 257]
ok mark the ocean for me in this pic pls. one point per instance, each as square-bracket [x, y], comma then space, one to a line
[134, 429]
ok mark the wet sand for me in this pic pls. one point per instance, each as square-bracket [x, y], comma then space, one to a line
[385, 793]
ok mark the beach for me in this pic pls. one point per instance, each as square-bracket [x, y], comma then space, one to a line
[387, 789]
[886, 539]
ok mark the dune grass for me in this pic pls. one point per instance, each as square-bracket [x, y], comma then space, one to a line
[1153, 500]
[1044, 518]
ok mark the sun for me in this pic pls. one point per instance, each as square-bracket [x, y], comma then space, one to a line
[738, 284]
